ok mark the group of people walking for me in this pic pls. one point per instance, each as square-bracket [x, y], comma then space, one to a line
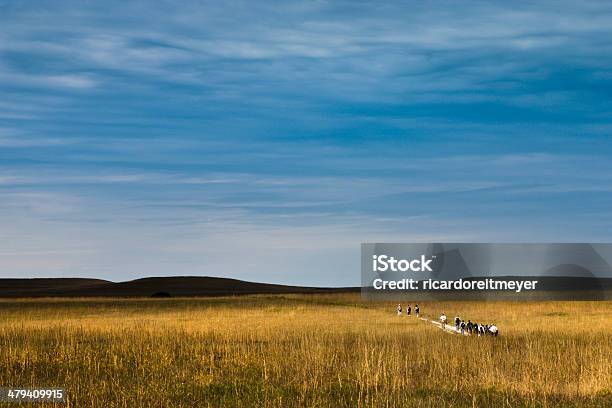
[469, 327]
[461, 326]
[417, 310]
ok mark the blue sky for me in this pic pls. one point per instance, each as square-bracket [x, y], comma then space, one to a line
[265, 141]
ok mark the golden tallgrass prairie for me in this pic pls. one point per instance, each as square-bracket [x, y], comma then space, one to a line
[305, 350]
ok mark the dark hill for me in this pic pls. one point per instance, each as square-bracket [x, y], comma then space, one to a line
[38, 286]
[173, 286]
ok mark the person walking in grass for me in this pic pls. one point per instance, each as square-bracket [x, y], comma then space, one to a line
[408, 310]
[443, 320]
[399, 309]
[462, 328]
[457, 321]
[468, 326]
[417, 310]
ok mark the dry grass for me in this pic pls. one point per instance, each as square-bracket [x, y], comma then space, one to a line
[325, 350]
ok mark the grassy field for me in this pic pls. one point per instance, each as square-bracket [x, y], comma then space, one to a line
[305, 350]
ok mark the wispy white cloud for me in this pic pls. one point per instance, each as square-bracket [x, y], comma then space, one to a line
[14, 138]
[69, 81]
[184, 44]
